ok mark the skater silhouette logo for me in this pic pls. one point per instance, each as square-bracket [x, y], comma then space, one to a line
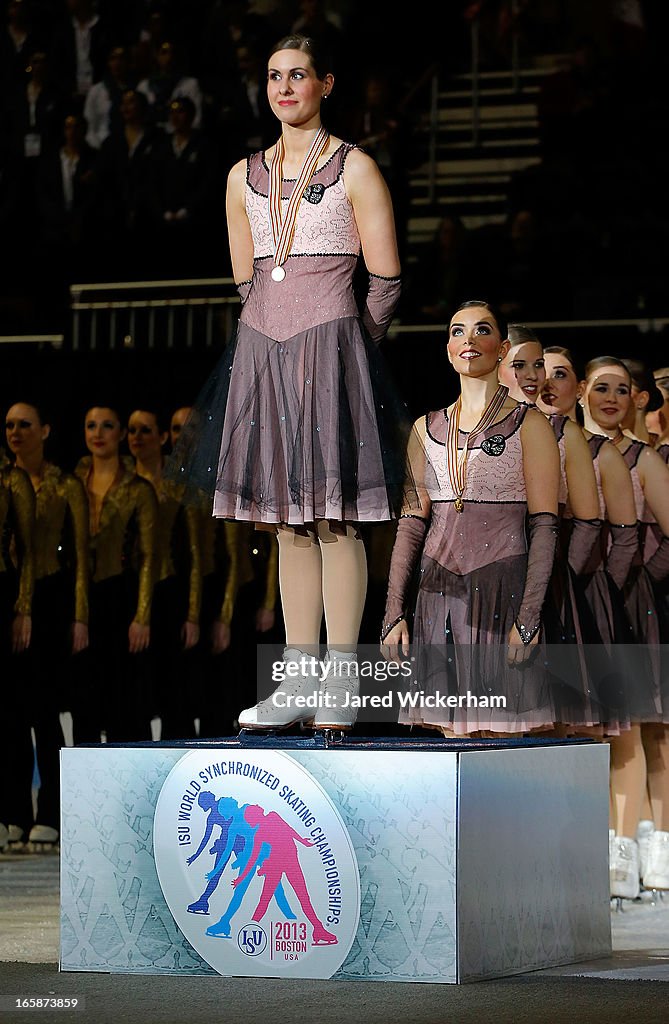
[265, 861]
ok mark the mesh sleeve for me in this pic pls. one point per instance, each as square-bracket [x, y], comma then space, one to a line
[624, 546]
[658, 565]
[584, 535]
[382, 298]
[543, 528]
[409, 539]
[243, 289]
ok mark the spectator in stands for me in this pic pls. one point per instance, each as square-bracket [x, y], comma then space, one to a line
[182, 189]
[442, 274]
[516, 266]
[224, 30]
[155, 29]
[17, 41]
[168, 82]
[382, 131]
[101, 108]
[125, 175]
[65, 199]
[318, 22]
[37, 110]
[80, 48]
[246, 120]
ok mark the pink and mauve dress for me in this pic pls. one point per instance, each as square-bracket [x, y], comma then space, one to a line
[301, 420]
[641, 599]
[470, 586]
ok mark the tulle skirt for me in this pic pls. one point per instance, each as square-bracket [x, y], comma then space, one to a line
[299, 430]
[460, 647]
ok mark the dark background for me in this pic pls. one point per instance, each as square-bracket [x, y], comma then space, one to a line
[597, 203]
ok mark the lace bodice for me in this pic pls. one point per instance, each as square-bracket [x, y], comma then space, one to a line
[325, 223]
[494, 465]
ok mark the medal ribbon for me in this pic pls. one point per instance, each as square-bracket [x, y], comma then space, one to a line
[283, 226]
[456, 460]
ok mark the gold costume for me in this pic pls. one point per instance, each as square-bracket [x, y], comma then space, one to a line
[17, 518]
[58, 496]
[170, 497]
[129, 501]
[238, 540]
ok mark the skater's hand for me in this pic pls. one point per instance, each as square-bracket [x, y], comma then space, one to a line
[518, 652]
[220, 637]
[264, 620]
[235, 882]
[189, 860]
[235, 865]
[21, 631]
[138, 637]
[79, 637]
[396, 643]
[190, 635]
[307, 842]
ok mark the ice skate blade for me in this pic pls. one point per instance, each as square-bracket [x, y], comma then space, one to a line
[250, 730]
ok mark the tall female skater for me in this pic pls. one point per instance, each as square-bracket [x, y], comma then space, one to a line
[298, 427]
[488, 463]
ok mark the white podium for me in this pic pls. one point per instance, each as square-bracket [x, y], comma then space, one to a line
[370, 860]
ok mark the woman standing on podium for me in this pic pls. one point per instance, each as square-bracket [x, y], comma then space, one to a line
[487, 465]
[299, 428]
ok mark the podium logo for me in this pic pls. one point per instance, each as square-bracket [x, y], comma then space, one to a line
[252, 835]
[252, 940]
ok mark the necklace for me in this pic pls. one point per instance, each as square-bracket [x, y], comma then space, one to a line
[283, 224]
[456, 460]
[618, 438]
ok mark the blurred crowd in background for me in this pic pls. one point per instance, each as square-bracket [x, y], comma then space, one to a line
[120, 118]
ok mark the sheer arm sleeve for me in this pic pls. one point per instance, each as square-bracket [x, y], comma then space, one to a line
[658, 565]
[243, 289]
[584, 535]
[408, 544]
[624, 546]
[543, 527]
[382, 298]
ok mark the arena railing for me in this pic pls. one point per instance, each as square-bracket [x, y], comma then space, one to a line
[152, 314]
[201, 313]
[54, 340]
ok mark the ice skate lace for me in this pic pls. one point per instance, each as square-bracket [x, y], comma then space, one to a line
[342, 679]
[291, 685]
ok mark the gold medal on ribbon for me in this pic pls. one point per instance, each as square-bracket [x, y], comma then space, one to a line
[456, 459]
[283, 224]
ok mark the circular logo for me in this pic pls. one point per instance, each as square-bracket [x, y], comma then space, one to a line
[256, 864]
[252, 939]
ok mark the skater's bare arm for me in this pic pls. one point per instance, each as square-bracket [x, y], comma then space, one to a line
[239, 229]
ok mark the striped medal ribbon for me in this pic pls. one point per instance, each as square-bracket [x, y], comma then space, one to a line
[456, 460]
[283, 225]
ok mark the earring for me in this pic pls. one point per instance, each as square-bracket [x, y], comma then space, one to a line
[499, 360]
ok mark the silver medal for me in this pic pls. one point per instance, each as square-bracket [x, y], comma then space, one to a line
[278, 273]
